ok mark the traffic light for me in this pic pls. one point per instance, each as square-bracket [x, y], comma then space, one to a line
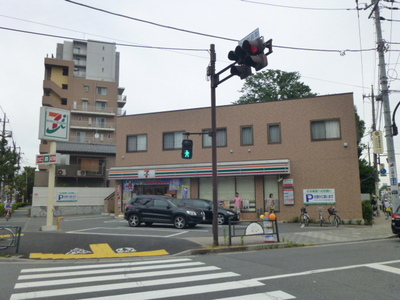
[187, 149]
[250, 54]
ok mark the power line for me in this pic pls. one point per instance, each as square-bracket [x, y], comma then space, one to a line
[149, 22]
[299, 7]
[341, 52]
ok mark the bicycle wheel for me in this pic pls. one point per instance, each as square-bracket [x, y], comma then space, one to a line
[337, 221]
[7, 215]
[6, 238]
[321, 220]
[331, 218]
[302, 219]
[43, 213]
[56, 212]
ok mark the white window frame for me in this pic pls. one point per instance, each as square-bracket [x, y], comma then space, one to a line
[172, 140]
[136, 143]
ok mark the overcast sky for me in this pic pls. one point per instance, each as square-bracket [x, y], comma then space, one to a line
[160, 79]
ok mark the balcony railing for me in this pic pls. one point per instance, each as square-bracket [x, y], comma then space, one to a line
[102, 139]
[93, 125]
[91, 109]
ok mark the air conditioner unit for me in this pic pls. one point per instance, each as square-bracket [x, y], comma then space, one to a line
[62, 172]
[81, 173]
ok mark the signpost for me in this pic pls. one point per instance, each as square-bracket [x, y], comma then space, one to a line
[54, 126]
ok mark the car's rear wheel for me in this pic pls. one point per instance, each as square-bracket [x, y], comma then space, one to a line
[134, 220]
[221, 219]
[180, 222]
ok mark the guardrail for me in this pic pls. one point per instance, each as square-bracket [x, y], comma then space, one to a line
[268, 228]
[10, 237]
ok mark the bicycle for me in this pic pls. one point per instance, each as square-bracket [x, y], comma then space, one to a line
[43, 212]
[6, 238]
[320, 215]
[8, 215]
[304, 217]
[334, 218]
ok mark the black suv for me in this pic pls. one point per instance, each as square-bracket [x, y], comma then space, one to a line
[396, 222]
[207, 207]
[151, 209]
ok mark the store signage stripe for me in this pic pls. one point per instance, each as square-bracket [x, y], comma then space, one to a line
[201, 172]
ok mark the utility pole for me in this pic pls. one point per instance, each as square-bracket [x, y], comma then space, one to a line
[381, 48]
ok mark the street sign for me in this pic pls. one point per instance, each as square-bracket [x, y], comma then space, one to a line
[47, 159]
[251, 36]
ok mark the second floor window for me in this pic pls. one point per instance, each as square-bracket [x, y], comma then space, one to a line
[136, 143]
[274, 134]
[221, 138]
[247, 135]
[325, 130]
[172, 140]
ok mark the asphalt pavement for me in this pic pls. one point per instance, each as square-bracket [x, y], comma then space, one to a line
[53, 244]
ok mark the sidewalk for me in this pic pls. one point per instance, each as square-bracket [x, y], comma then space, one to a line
[313, 234]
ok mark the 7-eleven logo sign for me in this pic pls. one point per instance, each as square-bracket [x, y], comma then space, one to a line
[54, 124]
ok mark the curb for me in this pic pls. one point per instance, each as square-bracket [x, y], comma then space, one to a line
[218, 250]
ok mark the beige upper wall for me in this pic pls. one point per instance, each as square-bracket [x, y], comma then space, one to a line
[314, 164]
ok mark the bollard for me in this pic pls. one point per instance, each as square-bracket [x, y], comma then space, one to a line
[58, 223]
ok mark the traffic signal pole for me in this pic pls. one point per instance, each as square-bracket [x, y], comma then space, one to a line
[214, 84]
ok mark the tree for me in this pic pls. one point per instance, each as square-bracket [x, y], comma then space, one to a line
[8, 167]
[25, 182]
[273, 85]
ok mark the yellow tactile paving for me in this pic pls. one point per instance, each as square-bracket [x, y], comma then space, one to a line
[99, 251]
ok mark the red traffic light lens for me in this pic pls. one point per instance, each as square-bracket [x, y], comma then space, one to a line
[254, 49]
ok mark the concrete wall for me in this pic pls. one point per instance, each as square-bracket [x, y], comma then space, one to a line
[72, 201]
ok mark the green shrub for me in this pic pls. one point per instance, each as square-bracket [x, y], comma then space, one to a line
[367, 212]
[1, 209]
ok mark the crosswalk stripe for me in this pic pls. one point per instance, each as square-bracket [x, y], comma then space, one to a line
[100, 266]
[113, 277]
[114, 270]
[263, 296]
[185, 291]
[119, 286]
[384, 268]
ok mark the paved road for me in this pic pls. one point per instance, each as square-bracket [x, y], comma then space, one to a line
[363, 270]
[97, 236]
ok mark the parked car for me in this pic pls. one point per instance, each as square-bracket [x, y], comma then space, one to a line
[207, 207]
[151, 209]
[396, 222]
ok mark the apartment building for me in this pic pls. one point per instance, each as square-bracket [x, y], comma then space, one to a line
[302, 151]
[83, 78]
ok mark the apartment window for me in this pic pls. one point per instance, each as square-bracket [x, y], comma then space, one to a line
[65, 71]
[101, 90]
[246, 135]
[100, 105]
[64, 86]
[64, 101]
[85, 105]
[325, 130]
[172, 140]
[80, 137]
[274, 133]
[136, 143]
[101, 122]
[86, 88]
[221, 138]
